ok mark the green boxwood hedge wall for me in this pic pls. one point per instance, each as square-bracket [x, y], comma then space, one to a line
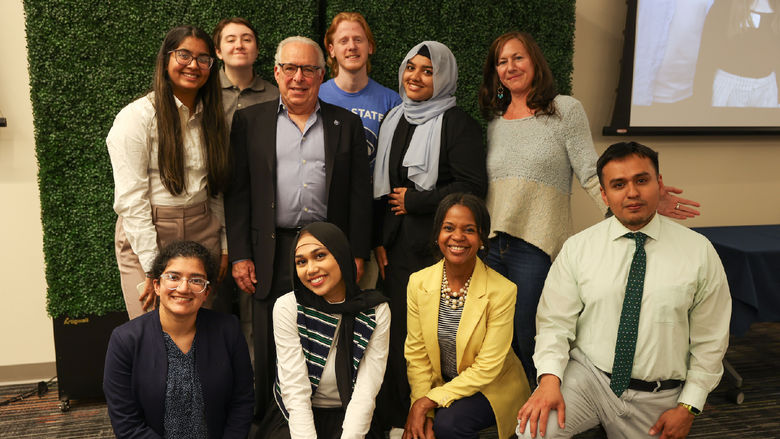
[89, 59]
[467, 27]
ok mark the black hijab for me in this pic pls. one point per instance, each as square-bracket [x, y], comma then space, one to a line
[355, 300]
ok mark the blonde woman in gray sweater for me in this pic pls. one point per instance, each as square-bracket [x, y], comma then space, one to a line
[537, 141]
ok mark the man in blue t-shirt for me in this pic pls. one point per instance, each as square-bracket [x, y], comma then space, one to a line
[349, 43]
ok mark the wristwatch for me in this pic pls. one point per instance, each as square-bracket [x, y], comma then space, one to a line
[693, 410]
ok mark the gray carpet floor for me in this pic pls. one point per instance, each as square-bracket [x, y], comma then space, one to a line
[756, 356]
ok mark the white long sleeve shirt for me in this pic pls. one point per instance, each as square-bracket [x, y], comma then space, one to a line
[685, 313]
[133, 147]
[294, 378]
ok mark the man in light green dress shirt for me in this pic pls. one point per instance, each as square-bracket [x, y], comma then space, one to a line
[683, 322]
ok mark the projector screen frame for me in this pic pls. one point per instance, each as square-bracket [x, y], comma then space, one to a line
[621, 113]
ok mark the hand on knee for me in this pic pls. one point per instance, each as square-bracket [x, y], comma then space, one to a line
[545, 407]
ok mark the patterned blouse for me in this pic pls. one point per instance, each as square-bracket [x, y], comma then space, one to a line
[184, 409]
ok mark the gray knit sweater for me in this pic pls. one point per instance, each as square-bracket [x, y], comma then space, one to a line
[530, 165]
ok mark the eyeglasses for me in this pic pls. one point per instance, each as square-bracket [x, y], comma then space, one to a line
[184, 57]
[172, 281]
[291, 69]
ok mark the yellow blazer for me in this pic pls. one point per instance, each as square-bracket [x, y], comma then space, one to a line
[485, 361]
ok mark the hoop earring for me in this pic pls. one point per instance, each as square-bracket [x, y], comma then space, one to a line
[500, 91]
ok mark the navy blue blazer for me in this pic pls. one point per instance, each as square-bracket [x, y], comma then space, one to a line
[136, 369]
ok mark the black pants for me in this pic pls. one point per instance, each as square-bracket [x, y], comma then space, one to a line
[262, 319]
[393, 400]
[464, 418]
[327, 424]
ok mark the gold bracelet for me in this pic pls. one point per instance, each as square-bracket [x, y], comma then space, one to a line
[691, 409]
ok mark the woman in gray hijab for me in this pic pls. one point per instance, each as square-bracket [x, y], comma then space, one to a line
[427, 148]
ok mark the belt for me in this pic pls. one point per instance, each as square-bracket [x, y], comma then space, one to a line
[173, 212]
[650, 386]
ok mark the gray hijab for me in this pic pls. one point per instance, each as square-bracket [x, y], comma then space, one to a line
[422, 156]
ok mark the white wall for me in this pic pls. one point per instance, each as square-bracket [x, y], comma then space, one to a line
[25, 329]
[735, 178]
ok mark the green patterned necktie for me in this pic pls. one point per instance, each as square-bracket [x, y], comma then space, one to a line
[629, 318]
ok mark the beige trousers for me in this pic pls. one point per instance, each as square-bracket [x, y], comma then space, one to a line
[370, 274]
[590, 402]
[194, 223]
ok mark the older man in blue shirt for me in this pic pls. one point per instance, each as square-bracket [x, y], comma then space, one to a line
[295, 161]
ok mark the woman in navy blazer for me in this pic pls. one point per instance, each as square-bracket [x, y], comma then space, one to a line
[150, 392]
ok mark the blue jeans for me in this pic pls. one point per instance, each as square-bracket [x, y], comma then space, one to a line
[527, 267]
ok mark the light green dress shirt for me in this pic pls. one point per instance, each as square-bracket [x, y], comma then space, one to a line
[683, 322]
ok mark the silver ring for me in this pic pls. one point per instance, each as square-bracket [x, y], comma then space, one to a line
[677, 207]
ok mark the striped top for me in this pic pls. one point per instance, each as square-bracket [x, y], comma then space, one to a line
[317, 331]
[449, 319]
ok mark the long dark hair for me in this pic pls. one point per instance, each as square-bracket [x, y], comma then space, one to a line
[542, 93]
[214, 132]
[740, 20]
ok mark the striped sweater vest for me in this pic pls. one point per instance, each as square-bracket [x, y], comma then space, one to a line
[317, 330]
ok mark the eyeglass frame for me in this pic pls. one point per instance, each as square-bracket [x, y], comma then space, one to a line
[183, 278]
[192, 56]
[300, 67]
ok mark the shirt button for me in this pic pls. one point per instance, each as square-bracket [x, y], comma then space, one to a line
[304, 160]
[305, 185]
[239, 105]
[273, 235]
[305, 209]
[303, 139]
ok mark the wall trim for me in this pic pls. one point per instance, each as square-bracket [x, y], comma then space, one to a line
[27, 373]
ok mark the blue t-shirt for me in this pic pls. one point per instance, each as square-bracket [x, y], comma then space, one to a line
[371, 104]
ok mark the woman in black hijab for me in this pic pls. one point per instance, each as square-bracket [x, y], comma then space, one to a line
[331, 343]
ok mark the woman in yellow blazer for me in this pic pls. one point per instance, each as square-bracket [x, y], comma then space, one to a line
[463, 375]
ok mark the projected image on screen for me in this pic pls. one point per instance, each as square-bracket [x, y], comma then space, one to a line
[706, 63]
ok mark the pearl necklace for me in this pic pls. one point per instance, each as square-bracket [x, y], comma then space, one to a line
[453, 299]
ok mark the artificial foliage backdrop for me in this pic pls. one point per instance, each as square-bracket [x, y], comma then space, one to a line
[89, 59]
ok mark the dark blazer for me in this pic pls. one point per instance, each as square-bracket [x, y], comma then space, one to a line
[461, 169]
[251, 198]
[136, 370]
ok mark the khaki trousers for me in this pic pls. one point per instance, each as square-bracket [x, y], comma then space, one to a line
[193, 223]
[590, 401]
[370, 274]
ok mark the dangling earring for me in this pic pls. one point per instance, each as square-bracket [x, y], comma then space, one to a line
[500, 91]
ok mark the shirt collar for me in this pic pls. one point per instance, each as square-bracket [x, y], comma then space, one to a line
[283, 108]
[651, 229]
[181, 107]
[258, 84]
[224, 82]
